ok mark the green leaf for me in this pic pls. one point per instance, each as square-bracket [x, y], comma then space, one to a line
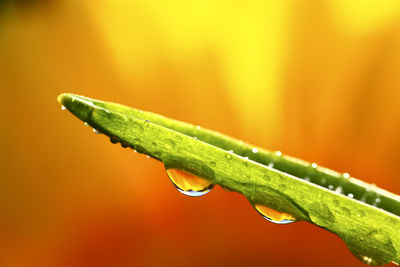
[364, 216]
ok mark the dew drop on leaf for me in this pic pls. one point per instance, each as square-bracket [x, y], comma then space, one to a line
[274, 216]
[314, 165]
[189, 184]
[113, 139]
[365, 259]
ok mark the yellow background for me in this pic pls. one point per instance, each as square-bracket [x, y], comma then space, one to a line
[319, 80]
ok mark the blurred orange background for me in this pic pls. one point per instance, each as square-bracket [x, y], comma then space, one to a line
[318, 80]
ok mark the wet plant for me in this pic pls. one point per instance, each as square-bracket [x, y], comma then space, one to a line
[281, 188]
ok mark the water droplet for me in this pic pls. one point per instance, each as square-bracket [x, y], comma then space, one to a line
[377, 200]
[367, 260]
[96, 131]
[350, 195]
[314, 165]
[146, 123]
[228, 156]
[346, 175]
[271, 165]
[254, 150]
[212, 163]
[189, 184]
[113, 139]
[124, 145]
[63, 108]
[278, 153]
[170, 142]
[330, 187]
[339, 190]
[195, 137]
[198, 127]
[147, 156]
[320, 214]
[274, 216]
[379, 255]
[307, 179]
[86, 124]
[364, 259]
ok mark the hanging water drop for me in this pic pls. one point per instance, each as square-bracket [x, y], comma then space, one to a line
[113, 139]
[86, 124]
[189, 184]
[365, 259]
[278, 153]
[254, 150]
[124, 145]
[198, 127]
[63, 108]
[274, 216]
[350, 195]
[346, 175]
[96, 131]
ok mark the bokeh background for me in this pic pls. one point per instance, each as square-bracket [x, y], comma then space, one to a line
[319, 80]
